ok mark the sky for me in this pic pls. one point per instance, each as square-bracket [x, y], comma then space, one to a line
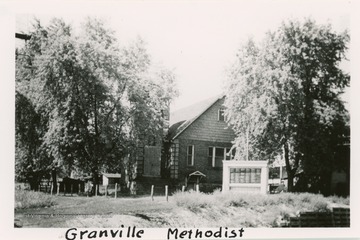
[196, 39]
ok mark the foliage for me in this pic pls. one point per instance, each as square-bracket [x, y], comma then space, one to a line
[193, 200]
[86, 103]
[283, 99]
[31, 199]
[304, 201]
[249, 209]
[29, 156]
[188, 209]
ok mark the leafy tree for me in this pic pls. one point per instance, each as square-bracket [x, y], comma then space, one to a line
[284, 92]
[88, 101]
[30, 161]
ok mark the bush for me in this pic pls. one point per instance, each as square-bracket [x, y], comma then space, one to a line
[252, 209]
[340, 200]
[192, 200]
[31, 199]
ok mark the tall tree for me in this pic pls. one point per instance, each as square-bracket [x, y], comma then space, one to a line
[91, 96]
[284, 92]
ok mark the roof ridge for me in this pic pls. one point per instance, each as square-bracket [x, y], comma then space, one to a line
[187, 123]
[193, 110]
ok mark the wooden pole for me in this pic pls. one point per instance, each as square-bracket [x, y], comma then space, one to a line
[79, 189]
[64, 189]
[166, 193]
[96, 189]
[72, 187]
[152, 192]
[247, 144]
[58, 188]
[39, 190]
[106, 186]
[183, 188]
[115, 190]
[197, 184]
[52, 189]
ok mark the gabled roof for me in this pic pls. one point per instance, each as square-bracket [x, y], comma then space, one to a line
[112, 175]
[197, 173]
[173, 130]
[184, 117]
[191, 111]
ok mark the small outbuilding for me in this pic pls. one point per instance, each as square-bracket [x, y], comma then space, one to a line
[111, 178]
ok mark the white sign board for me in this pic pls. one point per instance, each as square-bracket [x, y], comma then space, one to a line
[245, 176]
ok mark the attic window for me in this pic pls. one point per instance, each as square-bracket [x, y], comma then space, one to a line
[221, 115]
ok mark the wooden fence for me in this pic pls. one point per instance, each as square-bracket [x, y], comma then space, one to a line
[339, 217]
[110, 190]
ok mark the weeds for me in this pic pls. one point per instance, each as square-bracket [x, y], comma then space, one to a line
[30, 199]
[193, 201]
[251, 209]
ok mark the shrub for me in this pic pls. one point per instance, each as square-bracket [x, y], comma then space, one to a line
[340, 200]
[193, 200]
[31, 199]
[252, 209]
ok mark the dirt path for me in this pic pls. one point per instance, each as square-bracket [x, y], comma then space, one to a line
[98, 212]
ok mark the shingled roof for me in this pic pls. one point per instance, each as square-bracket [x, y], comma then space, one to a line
[182, 118]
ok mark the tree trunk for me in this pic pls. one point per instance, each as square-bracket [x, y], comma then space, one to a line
[289, 170]
[95, 178]
[33, 184]
[54, 179]
[290, 181]
[96, 148]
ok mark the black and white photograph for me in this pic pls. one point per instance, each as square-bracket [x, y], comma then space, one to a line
[179, 119]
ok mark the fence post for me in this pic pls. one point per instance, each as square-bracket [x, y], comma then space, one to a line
[152, 192]
[96, 189]
[183, 188]
[115, 190]
[58, 188]
[71, 189]
[106, 186]
[45, 188]
[64, 189]
[166, 192]
[52, 189]
[39, 190]
[197, 188]
[79, 189]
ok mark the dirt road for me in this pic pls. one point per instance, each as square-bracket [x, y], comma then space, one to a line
[98, 212]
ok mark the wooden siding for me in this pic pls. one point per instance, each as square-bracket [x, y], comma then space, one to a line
[152, 157]
[139, 156]
[207, 127]
[204, 132]
[201, 152]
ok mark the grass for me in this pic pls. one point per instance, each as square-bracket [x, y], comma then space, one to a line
[30, 199]
[188, 209]
[250, 209]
